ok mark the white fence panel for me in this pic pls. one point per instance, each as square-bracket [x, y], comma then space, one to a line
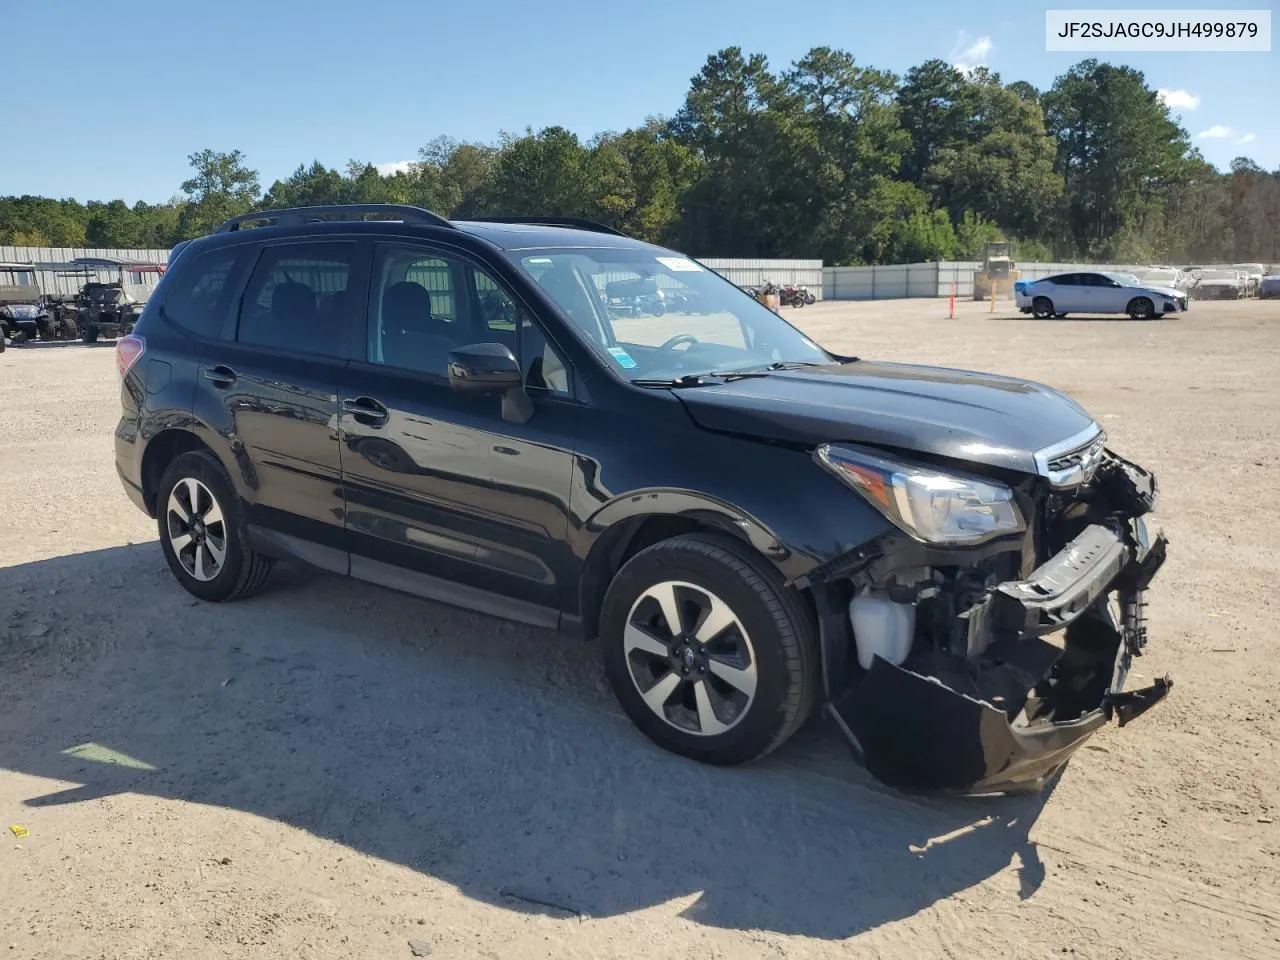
[753, 273]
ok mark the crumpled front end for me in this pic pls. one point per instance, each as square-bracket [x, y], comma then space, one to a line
[1018, 650]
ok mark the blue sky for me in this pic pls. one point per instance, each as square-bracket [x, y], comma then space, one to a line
[288, 81]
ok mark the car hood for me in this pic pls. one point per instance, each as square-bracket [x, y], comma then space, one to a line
[977, 417]
[1169, 292]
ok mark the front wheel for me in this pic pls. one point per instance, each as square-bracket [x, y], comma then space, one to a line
[710, 655]
[1141, 308]
[203, 532]
[1042, 308]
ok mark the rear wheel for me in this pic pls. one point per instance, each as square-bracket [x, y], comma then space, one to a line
[1042, 308]
[89, 334]
[203, 532]
[707, 651]
[1141, 308]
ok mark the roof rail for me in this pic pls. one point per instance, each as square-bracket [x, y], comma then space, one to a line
[297, 216]
[575, 223]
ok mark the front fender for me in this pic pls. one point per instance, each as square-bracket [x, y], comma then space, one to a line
[778, 499]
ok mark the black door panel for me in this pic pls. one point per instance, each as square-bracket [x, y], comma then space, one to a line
[276, 387]
[447, 488]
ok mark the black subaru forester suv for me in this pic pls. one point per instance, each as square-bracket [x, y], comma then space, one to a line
[492, 414]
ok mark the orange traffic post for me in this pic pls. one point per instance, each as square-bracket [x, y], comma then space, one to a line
[951, 309]
[993, 299]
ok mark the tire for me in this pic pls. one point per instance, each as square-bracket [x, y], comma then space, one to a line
[1042, 308]
[242, 571]
[1141, 308]
[89, 334]
[45, 329]
[768, 634]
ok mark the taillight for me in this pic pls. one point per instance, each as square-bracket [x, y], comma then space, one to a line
[128, 350]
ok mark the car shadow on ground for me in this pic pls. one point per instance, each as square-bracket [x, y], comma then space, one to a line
[485, 754]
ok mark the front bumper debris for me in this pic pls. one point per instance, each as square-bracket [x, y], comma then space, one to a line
[1009, 717]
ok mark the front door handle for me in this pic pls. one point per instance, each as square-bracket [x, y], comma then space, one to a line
[365, 410]
[220, 376]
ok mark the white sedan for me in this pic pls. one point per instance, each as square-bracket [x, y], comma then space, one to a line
[1066, 293]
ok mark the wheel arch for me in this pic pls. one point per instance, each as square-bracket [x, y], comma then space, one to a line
[625, 527]
[161, 451]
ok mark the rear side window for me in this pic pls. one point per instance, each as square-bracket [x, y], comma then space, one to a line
[199, 294]
[302, 298]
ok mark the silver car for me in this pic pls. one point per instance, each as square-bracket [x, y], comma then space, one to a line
[1100, 292]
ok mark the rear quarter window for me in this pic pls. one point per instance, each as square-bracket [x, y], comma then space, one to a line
[200, 291]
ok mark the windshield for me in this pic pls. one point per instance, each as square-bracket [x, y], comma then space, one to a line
[1216, 275]
[663, 317]
[1159, 276]
[1124, 279]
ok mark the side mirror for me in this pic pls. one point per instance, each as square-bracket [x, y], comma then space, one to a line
[491, 368]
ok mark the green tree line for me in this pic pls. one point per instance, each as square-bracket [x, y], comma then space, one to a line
[826, 158]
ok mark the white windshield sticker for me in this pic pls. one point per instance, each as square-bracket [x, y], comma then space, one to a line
[680, 264]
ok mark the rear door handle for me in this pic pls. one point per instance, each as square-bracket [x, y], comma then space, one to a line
[365, 410]
[220, 376]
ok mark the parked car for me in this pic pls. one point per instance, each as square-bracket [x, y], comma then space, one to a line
[1269, 287]
[1170, 277]
[1253, 274]
[1066, 293]
[1216, 284]
[749, 524]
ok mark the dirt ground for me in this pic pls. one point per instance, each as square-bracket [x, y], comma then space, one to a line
[334, 770]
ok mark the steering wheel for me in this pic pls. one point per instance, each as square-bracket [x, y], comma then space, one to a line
[677, 340]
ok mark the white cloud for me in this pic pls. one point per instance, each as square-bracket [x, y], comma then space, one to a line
[395, 166]
[1178, 98]
[970, 52]
[1248, 138]
[1216, 132]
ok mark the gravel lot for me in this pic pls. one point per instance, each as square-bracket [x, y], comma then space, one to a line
[333, 770]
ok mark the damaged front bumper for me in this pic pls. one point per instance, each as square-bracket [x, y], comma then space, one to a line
[1007, 717]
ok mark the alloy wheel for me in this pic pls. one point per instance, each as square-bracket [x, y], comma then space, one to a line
[197, 530]
[690, 658]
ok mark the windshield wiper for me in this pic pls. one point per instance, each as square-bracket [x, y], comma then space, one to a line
[721, 376]
[688, 380]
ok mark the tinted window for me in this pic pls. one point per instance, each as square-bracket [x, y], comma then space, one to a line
[425, 305]
[1064, 280]
[414, 316]
[199, 295]
[300, 298]
[507, 322]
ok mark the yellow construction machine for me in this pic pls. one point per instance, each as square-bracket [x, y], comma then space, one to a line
[998, 273]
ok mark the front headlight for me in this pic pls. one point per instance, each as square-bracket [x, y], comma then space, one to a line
[929, 504]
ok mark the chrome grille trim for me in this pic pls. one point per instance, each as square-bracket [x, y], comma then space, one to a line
[1072, 461]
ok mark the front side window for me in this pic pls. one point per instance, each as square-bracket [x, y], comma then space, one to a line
[299, 298]
[426, 305]
[664, 316]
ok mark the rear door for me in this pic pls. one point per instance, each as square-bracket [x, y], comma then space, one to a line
[277, 384]
[1067, 295]
[445, 498]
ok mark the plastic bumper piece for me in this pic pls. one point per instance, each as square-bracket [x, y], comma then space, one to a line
[930, 730]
